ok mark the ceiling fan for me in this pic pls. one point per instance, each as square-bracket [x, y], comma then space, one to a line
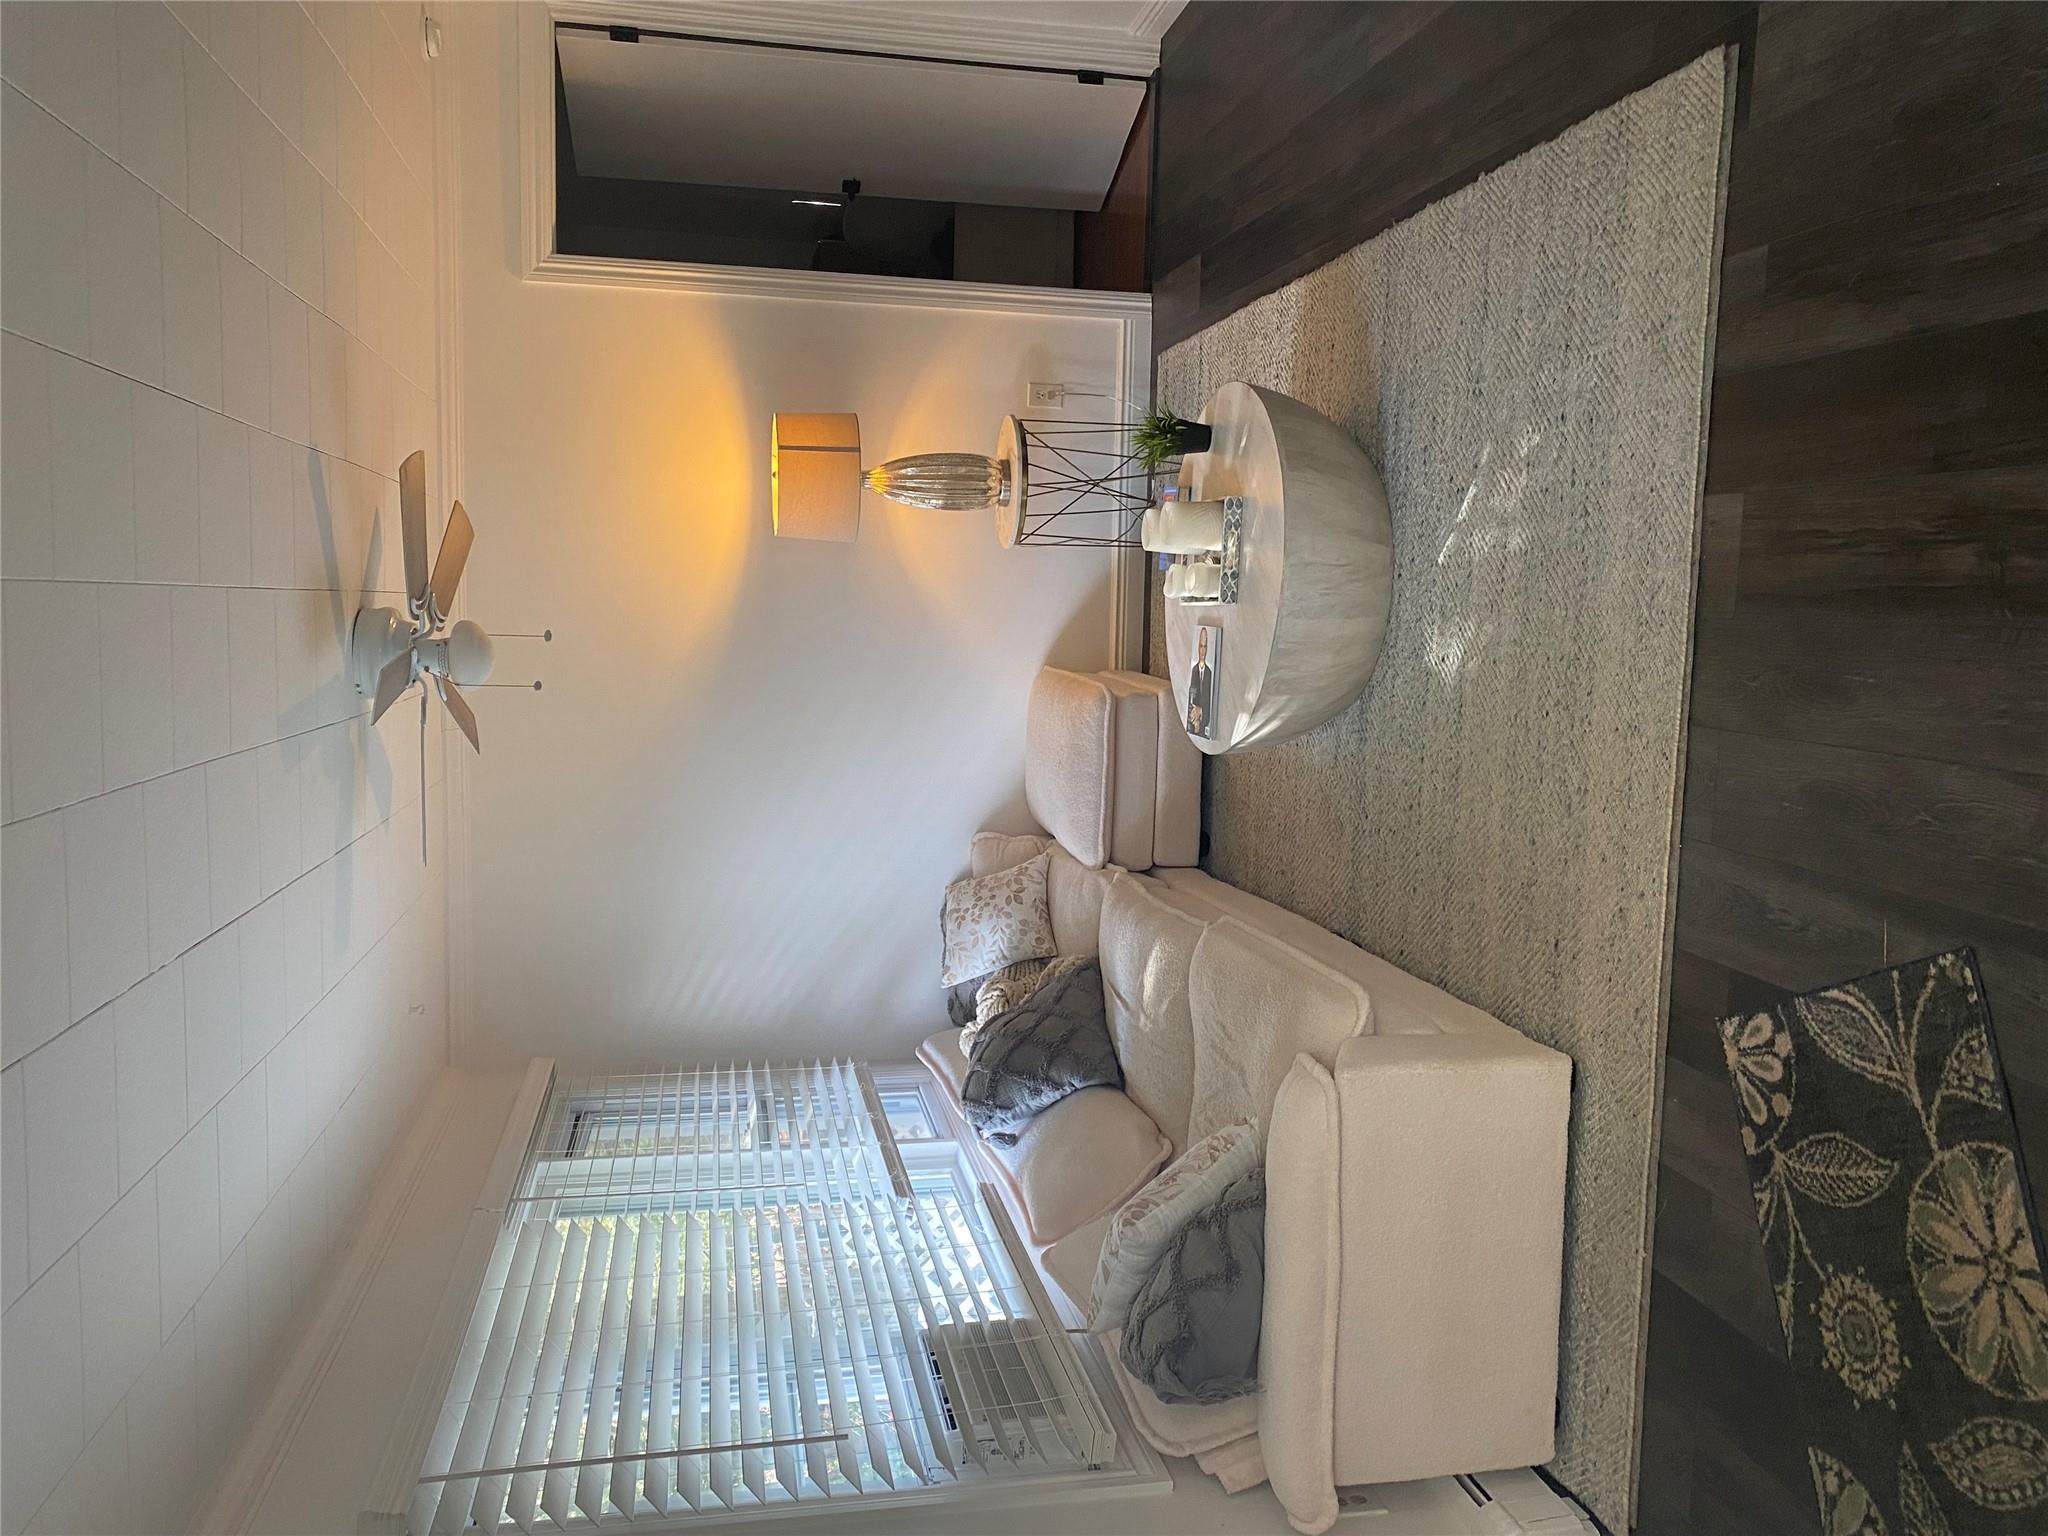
[389, 651]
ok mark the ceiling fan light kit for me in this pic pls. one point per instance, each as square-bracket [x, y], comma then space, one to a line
[390, 649]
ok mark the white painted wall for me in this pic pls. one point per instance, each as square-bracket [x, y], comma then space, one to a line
[725, 826]
[224, 975]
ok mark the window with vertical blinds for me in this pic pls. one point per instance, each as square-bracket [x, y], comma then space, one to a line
[724, 1290]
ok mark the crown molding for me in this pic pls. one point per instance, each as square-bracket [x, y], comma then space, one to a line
[1156, 19]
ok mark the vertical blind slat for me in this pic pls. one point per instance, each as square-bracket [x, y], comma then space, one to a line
[753, 1466]
[721, 1429]
[566, 1442]
[603, 1405]
[635, 1405]
[522, 1499]
[775, 1340]
[479, 1377]
[817, 1343]
[506, 1424]
[549, 1374]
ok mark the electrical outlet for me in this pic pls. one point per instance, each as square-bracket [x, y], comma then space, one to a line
[1048, 396]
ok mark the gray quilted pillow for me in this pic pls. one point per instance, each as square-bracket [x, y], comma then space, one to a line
[1054, 1043]
[1193, 1332]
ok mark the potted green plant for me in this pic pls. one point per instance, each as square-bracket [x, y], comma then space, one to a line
[1163, 435]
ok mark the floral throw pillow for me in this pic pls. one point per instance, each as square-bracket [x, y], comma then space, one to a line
[1146, 1225]
[996, 920]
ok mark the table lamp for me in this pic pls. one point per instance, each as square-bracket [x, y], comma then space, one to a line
[817, 477]
[814, 475]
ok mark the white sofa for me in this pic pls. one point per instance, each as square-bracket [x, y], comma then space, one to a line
[1415, 1151]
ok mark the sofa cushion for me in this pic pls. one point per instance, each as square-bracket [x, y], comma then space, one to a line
[991, 851]
[1069, 1267]
[1256, 1004]
[1401, 1004]
[991, 921]
[945, 1057]
[1133, 765]
[1147, 947]
[1177, 777]
[1086, 1155]
[1075, 893]
[1069, 761]
[1181, 1429]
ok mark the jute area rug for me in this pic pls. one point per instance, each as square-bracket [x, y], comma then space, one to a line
[1526, 362]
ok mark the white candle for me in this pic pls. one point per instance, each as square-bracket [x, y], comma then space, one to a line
[1183, 528]
[1197, 580]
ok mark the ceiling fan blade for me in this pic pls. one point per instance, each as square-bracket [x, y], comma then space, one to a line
[412, 519]
[423, 775]
[458, 706]
[392, 681]
[455, 542]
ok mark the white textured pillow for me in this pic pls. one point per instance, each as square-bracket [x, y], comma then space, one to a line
[996, 920]
[1144, 1225]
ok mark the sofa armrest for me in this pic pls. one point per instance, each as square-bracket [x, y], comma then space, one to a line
[1414, 1251]
[1450, 1252]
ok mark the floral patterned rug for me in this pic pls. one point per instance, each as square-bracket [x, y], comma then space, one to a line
[1894, 1211]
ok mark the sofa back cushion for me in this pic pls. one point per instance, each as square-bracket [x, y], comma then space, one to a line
[1256, 1004]
[991, 851]
[1147, 948]
[1075, 893]
[1070, 762]
[1401, 1004]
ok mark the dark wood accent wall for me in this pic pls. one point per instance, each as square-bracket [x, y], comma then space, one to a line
[1867, 770]
[1112, 246]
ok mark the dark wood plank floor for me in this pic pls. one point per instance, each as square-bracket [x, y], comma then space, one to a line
[1867, 774]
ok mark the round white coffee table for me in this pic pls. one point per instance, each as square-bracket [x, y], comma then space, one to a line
[1316, 570]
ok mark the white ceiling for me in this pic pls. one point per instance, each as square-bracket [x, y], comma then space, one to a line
[733, 114]
[1119, 36]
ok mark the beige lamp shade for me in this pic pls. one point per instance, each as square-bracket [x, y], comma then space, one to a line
[815, 475]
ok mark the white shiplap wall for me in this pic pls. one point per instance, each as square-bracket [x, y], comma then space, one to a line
[224, 972]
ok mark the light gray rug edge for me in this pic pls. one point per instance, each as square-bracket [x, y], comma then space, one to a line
[1545, 445]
